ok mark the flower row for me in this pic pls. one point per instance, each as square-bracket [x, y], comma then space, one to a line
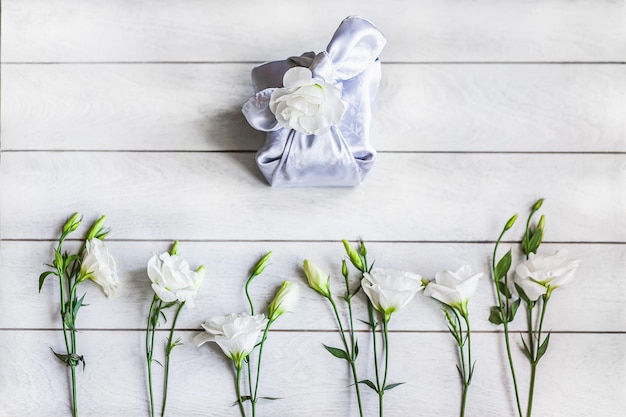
[242, 335]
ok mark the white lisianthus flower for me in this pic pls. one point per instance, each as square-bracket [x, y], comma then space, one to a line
[284, 301]
[306, 104]
[454, 288]
[173, 280]
[318, 279]
[235, 334]
[541, 274]
[99, 266]
[389, 291]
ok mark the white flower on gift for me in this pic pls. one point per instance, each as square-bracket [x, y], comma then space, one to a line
[454, 288]
[99, 266]
[173, 280]
[541, 274]
[284, 301]
[235, 334]
[306, 104]
[389, 291]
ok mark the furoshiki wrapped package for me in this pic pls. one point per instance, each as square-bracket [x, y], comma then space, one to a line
[317, 108]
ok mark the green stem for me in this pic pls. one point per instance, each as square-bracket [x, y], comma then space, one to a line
[171, 345]
[72, 300]
[381, 389]
[535, 361]
[238, 388]
[248, 294]
[150, 330]
[470, 367]
[505, 324]
[349, 351]
[74, 402]
[373, 326]
[253, 396]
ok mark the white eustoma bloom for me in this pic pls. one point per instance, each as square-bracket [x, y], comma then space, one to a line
[284, 301]
[541, 274]
[306, 104]
[317, 279]
[173, 280]
[454, 288]
[99, 265]
[235, 334]
[389, 291]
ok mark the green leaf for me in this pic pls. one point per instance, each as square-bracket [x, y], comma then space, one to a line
[79, 304]
[369, 324]
[504, 289]
[392, 386]
[43, 277]
[70, 359]
[542, 349]
[495, 317]
[244, 398]
[369, 384]
[513, 309]
[535, 241]
[338, 353]
[523, 295]
[356, 349]
[503, 266]
[271, 398]
[526, 350]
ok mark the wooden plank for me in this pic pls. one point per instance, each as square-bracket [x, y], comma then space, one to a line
[196, 196]
[598, 286]
[527, 108]
[417, 31]
[34, 383]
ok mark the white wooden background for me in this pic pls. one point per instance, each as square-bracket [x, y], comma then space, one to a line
[131, 108]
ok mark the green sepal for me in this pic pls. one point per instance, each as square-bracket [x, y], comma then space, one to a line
[338, 353]
[369, 384]
[59, 262]
[543, 347]
[494, 316]
[43, 277]
[171, 346]
[503, 266]
[392, 386]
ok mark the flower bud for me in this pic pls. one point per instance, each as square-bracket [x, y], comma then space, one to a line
[542, 223]
[284, 301]
[538, 204]
[174, 250]
[72, 223]
[353, 255]
[260, 266]
[317, 279]
[96, 228]
[344, 268]
[363, 249]
[510, 223]
[201, 270]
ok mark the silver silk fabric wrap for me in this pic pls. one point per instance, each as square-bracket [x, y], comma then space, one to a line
[343, 155]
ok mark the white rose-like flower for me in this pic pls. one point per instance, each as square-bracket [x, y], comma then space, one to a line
[317, 279]
[306, 104]
[389, 291]
[235, 334]
[172, 279]
[541, 274]
[454, 288]
[99, 266]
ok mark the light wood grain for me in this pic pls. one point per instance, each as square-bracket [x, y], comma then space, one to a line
[197, 30]
[191, 196]
[297, 369]
[529, 108]
[598, 285]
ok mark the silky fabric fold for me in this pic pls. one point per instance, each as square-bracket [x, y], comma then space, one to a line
[341, 156]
